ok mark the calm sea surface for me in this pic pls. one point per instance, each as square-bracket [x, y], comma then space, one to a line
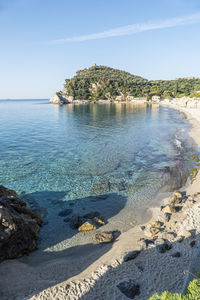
[62, 157]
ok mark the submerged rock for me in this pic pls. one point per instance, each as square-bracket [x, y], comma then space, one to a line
[19, 226]
[129, 288]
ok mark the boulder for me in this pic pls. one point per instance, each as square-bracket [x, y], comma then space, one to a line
[87, 226]
[19, 226]
[104, 237]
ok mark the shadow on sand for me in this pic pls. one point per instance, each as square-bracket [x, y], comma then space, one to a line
[42, 269]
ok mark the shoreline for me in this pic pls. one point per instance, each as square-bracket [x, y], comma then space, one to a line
[88, 283]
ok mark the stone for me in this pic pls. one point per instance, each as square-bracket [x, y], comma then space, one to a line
[162, 248]
[167, 217]
[142, 227]
[145, 243]
[154, 230]
[178, 194]
[176, 254]
[19, 226]
[99, 221]
[192, 244]
[76, 221]
[129, 288]
[91, 215]
[104, 237]
[168, 236]
[169, 209]
[87, 226]
[65, 212]
[131, 255]
[156, 224]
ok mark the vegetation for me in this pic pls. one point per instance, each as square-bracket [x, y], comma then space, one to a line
[100, 82]
[192, 293]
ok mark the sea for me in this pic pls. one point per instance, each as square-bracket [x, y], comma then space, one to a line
[69, 160]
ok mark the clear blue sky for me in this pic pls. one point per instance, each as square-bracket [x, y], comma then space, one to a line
[42, 42]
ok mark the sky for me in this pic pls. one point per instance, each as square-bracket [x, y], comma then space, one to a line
[43, 42]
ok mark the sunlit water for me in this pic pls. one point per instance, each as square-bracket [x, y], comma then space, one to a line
[64, 156]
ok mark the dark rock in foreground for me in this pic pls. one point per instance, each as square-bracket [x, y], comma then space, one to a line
[19, 226]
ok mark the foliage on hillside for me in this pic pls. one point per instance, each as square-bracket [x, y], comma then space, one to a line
[100, 82]
[192, 293]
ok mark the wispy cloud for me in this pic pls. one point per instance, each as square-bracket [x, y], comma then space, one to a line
[134, 28]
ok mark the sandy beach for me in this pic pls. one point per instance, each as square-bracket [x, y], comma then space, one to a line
[98, 275]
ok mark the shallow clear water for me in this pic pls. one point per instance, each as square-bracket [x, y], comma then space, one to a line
[58, 154]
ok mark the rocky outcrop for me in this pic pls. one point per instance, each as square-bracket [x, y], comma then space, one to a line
[19, 226]
[61, 97]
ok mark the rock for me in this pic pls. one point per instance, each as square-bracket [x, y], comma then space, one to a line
[104, 237]
[91, 215]
[65, 212]
[159, 241]
[156, 224]
[174, 200]
[192, 244]
[129, 288]
[167, 217]
[131, 255]
[154, 230]
[162, 248]
[142, 228]
[169, 209]
[19, 226]
[176, 254]
[76, 221]
[99, 221]
[168, 236]
[145, 243]
[87, 226]
[178, 194]
[180, 239]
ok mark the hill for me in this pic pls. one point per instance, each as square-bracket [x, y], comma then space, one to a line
[101, 82]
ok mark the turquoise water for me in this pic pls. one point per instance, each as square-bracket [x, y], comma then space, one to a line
[55, 155]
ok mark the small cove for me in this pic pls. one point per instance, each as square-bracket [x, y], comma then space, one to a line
[65, 157]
